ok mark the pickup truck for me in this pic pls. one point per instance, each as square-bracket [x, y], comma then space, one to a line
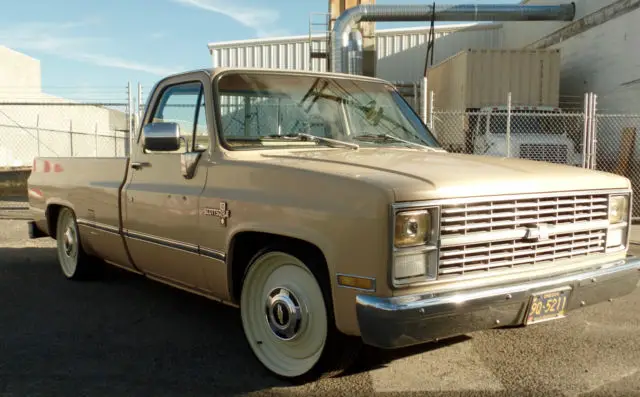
[323, 208]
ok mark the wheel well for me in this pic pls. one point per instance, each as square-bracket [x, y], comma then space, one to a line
[246, 245]
[52, 213]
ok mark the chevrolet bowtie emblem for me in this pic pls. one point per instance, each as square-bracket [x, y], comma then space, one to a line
[538, 233]
[280, 314]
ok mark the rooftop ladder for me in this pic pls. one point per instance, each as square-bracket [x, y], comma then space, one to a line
[319, 35]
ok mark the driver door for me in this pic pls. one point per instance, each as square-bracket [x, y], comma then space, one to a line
[161, 215]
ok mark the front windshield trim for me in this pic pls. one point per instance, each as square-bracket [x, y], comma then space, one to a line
[403, 106]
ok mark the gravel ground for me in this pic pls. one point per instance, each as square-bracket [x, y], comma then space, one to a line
[127, 336]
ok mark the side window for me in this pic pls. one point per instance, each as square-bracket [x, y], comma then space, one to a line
[184, 104]
[201, 132]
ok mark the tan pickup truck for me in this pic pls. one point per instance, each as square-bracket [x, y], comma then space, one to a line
[322, 207]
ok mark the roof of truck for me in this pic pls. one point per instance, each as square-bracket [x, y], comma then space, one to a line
[213, 72]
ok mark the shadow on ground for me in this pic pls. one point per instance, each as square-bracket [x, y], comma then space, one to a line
[371, 358]
[125, 335]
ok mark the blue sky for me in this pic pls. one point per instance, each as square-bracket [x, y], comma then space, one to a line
[83, 44]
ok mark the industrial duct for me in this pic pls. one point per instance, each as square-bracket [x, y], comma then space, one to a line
[342, 47]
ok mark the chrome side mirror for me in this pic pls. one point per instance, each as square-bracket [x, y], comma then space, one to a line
[161, 137]
[188, 162]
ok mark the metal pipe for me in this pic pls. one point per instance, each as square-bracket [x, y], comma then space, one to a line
[352, 53]
[509, 124]
[585, 130]
[594, 131]
[443, 12]
[431, 95]
[423, 100]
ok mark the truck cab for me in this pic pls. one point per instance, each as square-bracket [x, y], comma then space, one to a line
[536, 133]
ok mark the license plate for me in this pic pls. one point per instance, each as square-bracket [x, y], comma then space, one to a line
[547, 306]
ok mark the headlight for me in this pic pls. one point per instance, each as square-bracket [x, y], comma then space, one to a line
[415, 253]
[618, 209]
[412, 228]
[618, 228]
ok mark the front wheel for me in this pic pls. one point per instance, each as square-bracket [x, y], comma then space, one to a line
[288, 319]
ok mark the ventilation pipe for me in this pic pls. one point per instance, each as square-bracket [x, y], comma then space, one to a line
[354, 53]
[341, 34]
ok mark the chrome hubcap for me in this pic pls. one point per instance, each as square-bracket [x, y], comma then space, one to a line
[69, 241]
[283, 313]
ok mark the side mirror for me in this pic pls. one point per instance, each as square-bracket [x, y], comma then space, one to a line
[161, 137]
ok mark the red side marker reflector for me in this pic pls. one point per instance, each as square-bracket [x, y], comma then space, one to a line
[35, 193]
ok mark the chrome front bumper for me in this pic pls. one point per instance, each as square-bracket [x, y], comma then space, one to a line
[408, 320]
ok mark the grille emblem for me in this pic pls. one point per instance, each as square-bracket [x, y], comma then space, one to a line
[538, 233]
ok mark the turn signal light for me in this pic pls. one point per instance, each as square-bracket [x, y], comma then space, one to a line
[356, 282]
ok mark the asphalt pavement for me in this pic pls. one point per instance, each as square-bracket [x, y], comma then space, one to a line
[127, 336]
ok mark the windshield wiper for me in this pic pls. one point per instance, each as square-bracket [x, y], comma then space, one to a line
[390, 137]
[332, 142]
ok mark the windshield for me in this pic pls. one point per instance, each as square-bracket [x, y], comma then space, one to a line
[259, 110]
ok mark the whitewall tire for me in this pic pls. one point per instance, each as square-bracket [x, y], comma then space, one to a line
[287, 317]
[74, 262]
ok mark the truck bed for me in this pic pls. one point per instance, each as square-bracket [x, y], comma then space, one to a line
[91, 187]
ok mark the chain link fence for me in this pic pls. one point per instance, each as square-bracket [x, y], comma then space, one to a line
[28, 130]
[551, 136]
[55, 129]
[574, 133]
[617, 151]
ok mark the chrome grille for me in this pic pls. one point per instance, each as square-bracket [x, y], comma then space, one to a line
[482, 236]
[544, 152]
[490, 216]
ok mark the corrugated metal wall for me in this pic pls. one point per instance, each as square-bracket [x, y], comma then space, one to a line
[400, 52]
[287, 53]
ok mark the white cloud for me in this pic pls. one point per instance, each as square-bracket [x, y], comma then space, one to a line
[158, 35]
[59, 39]
[121, 63]
[263, 20]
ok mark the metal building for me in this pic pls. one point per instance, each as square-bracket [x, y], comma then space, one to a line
[599, 49]
[400, 52]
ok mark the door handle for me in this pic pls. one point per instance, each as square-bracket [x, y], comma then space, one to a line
[138, 165]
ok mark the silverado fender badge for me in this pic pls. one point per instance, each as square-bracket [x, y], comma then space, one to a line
[223, 213]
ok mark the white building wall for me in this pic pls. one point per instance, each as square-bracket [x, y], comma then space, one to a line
[46, 126]
[514, 36]
[401, 52]
[605, 60]
[17, 70]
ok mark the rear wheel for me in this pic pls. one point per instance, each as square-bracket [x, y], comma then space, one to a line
[74, 262]
[288, 320]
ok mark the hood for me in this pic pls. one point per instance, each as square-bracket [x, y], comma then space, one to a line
[420, 175]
